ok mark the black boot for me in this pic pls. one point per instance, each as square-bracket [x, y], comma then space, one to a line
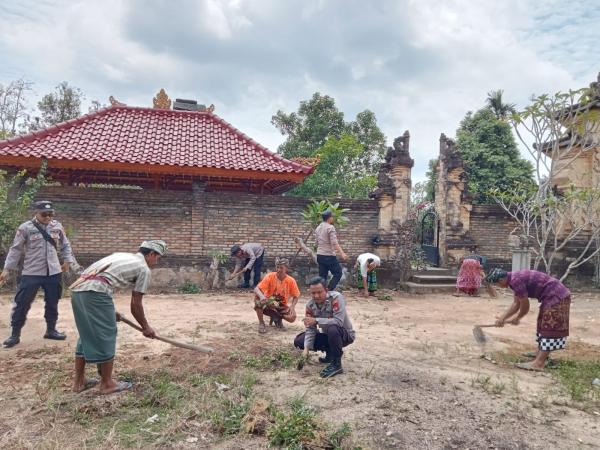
[14, 338]
[51, 333]
[326, 359]
[332, 369]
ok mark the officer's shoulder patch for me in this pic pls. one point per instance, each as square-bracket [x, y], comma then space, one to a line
[335, 304]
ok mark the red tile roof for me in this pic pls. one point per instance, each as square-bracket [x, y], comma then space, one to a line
[155, 138]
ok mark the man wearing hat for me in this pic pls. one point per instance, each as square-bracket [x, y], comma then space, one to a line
[276, 296]
[95, 315]
[248, 256]
[40, 243]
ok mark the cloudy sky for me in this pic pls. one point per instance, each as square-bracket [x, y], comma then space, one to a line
[418, 64]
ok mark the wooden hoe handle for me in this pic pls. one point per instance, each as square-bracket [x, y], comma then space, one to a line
[198, 348]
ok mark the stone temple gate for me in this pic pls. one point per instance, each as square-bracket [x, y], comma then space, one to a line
[450, 233]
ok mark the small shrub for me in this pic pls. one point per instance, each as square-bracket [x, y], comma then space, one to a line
[337, 436]
[294, 429]
[189, 288]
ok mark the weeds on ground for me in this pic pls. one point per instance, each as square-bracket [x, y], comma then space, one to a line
[189, 288]
[485, 383]
[576, 378]
[300, 428]
[274, 359]
[160, 408]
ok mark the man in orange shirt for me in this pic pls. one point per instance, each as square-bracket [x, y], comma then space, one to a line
[273, 296]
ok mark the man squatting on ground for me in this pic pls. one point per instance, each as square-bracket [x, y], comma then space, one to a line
[38, 242]
[553, 317]
[327, 246]
[274, 294]
[95, 315]
[366, 273]
[327, 310]
[248, 256]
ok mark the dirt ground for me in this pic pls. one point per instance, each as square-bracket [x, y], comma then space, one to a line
[414, 378]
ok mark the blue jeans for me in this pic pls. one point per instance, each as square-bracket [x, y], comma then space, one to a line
[26, 292]
[258, 262]
[330, 264]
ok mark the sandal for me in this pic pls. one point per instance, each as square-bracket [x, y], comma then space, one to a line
[528, 366]
[121, 386]
[88, 385]
[262, 328]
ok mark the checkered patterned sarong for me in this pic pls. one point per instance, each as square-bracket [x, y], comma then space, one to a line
[551, 344]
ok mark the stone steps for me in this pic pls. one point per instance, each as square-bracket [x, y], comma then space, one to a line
[434, 280]
[419, 288]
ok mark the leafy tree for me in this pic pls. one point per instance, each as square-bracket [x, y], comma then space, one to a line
[13, 106]
[557, 130]
[307, 130]
[59, 106]
[339, 172]
[16, 194]
[370, 137]
[491, 156]
[319, 129]
[500, 109]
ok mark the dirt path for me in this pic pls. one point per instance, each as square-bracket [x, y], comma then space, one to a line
[414, 378]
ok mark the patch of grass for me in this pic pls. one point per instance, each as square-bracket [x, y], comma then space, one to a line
[294, 429]
[576, 378]
[189, 288]
[337, 436]
[485, 383]
[300, 427]
[280, 358]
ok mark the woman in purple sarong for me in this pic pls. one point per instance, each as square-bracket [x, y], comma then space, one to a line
[553, 318]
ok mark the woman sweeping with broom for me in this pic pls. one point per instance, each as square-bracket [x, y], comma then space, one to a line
[553, 318]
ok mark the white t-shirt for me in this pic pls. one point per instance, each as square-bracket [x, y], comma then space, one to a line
[362, 262]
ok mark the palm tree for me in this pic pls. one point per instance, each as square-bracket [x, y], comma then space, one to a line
[500, 109]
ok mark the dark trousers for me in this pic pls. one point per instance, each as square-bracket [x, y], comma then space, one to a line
[330, 264]
[333, 341]
[26, 292]
[258, 262]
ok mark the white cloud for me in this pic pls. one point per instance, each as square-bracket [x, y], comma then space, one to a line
[419, 65]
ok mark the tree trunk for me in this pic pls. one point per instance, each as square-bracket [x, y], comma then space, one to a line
[302, 246]
[214, 271]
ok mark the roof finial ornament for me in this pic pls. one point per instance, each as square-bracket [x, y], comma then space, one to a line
[162, 100]
[114, 102]
[211, 108]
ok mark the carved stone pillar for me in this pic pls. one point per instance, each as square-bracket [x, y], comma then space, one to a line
[452, 204]
[393, 193]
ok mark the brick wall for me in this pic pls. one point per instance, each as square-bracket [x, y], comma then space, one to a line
[102, 221]
[490, 227]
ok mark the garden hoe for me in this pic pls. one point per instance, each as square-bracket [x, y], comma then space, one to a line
[478, 333]
[198, 348]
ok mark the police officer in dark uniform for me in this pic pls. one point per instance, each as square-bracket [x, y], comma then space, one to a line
[40, 243]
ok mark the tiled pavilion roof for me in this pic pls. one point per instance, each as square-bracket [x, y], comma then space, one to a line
[156, 147]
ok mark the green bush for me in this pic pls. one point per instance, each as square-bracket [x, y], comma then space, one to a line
[189, 288]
